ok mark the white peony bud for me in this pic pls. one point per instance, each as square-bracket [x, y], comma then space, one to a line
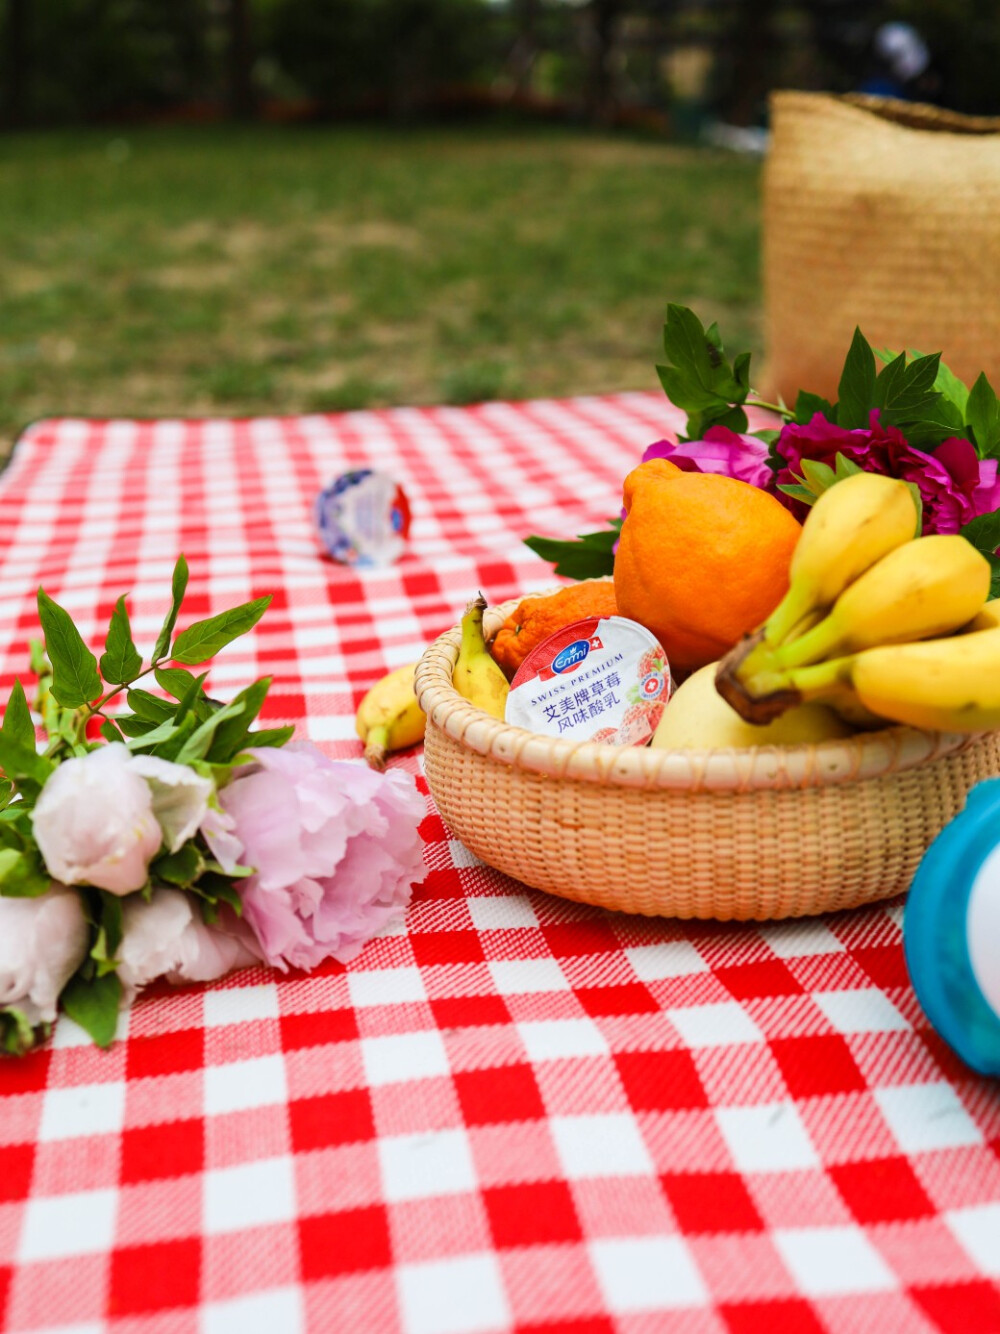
[42, 943]
[167, 937]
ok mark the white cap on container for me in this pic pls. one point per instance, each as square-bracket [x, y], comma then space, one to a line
[982, 926]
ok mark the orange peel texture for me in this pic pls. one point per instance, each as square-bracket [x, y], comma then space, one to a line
[534, 619]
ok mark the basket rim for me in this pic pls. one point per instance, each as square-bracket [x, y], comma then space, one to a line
[853, 759]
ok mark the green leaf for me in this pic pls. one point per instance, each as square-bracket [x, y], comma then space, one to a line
[984, 533]
[133, 726]
[175, 681]
[797, 493]
[110, 732]
[75, 681]
[145, 741]
[699, 376]
[722, 415]
[807, 405]
[857, 384]
[38, 662]
[575, 559]
[6, 793]
[121, 660]
[199, 742]
[181, 868]
[948, 384]
[17, 1034]
[982, 414]
[231, 734]
[168, 748]
[93, 1004]
[204, 639]
[178, 588]
[109, 933]
[845, 467]
[150, 707]
[818, 476]
[270, 736]
[22, 874]
[19, 762]
[17, 724]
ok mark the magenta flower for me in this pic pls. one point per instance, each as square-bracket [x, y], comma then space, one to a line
[954, 483]
[335, 849]
[721, 451]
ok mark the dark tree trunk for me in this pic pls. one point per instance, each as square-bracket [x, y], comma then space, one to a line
[753, 58]
[15, 43]
[600, 83]
[241, 98]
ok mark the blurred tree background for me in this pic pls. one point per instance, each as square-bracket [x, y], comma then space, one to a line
[652, 62]
[256, 206]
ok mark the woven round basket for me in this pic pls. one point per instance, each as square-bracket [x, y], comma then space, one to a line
[761, 833]
[881, 214]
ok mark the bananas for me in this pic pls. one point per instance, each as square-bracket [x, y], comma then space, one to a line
[907, 636]
[477, 676]
[389, 717]
[851, 526]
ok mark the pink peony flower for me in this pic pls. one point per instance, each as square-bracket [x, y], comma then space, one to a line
[954, 483]
[42, 943]
[334, 845]
[721, 451]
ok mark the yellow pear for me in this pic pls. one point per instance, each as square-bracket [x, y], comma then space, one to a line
[698, 718]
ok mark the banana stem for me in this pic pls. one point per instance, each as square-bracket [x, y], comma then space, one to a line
[813, 646]
[377, 746]
[796, 604]
[821, 679]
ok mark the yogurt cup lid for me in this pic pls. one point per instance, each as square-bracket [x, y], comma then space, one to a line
[363, 518]
[600, 679]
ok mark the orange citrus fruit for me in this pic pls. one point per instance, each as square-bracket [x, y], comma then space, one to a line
[533, 620]
[702, 561]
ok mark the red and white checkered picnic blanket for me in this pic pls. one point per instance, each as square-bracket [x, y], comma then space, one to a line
[512, 1113]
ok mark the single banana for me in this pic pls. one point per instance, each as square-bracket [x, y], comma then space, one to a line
[945, 685]
[389, 717]
[850, 527]
[476, 675]
[985, 619]
[922, 590]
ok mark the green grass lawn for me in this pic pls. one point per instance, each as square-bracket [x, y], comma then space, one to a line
[227, 270]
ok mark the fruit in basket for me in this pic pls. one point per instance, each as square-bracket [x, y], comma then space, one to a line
[698, 718]
[703, 559]
[947, 685]
[477, 677]
[925, 588]
[534, 619]
[389, 717]
[851, 526]
[985, 619]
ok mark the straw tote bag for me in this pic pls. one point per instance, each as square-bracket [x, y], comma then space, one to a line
[885, 215]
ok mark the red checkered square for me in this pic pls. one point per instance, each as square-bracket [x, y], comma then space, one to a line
[335, 1118]
[711, 1202]
[815, 1066]
[469, 1011]
[15, 1179]
[169, 1150]
[534, 1214]
[509, 1093]
[151, 1278]
[342, 1243]
[791, 1314]
[957, 1308]
[661, 1080]
[165, 1053]
[437, 947]
[760, 977]
[628, 999]
[881, 1191]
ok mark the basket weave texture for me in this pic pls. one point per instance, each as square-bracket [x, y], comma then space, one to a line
[763, 833]
[883, 215]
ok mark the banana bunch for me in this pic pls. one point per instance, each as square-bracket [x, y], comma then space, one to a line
[879, 623]
[477, 677]
[389, 717]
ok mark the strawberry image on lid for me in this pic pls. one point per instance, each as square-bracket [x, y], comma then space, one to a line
[605, 680]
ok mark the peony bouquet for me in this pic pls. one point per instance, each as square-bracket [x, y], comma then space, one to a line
[912, 418]
[172, 838]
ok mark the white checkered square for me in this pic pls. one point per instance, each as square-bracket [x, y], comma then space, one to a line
[240, 1085]
[399, 1057]
[249, 1195]
[85, 1109]
[866, 1010]
[56, 1227]
[518, 977]
[769, 1137]
[833, 1261]
[927, 1116]
[978, 1231]
[385, 986]
[726, 1024]
[672, 958]
[558, 1039]
[799, 939]
[501, 912]
[238, 1005]
[256, 1313]
[416, 1167]
[460, 1295]
[600, 1146]
[646, 1274]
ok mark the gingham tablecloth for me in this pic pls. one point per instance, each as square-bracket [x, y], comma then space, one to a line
[511, 1113]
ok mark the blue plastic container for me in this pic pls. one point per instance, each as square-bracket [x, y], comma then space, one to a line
[951, 931]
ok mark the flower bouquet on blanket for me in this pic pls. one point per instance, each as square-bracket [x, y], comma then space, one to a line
[174, 839]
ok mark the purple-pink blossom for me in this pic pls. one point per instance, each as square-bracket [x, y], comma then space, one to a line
[954, 483]
[721, 451]
[334, 845]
